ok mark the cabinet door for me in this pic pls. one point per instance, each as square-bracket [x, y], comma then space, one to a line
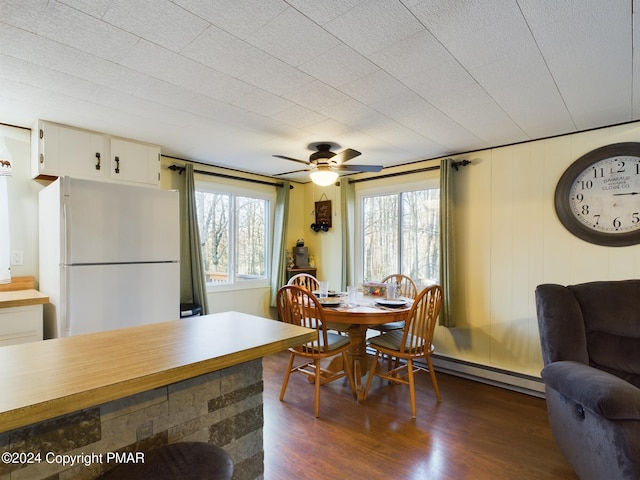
[82, 154]
[20, 325]
[60, 150]
[134, 162]
[45, 150]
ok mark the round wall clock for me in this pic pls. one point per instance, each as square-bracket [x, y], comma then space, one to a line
[598, 196]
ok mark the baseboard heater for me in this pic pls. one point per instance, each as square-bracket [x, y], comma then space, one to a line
[519, 382]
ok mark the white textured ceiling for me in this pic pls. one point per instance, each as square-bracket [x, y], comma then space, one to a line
[231, 82]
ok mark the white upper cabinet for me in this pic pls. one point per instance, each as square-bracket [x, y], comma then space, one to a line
[59, 150]
[135, 162]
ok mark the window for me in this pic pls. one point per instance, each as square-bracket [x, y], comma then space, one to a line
[400, 233]
[235, 227]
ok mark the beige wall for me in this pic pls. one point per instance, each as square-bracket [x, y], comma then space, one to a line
[509, 241]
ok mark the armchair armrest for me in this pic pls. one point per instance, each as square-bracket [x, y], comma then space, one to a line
[602, 393]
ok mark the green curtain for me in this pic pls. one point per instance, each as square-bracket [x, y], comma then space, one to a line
[447, 252]
[347, 211]
[279, 255]
[193, 288]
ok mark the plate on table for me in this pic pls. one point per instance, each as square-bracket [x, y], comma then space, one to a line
[331, 293]
[330, 301]
[392, 302]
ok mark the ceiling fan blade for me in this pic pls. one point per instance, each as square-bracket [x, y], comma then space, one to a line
[293, 159]
[294, 171]
[359, 168]
[346, 155]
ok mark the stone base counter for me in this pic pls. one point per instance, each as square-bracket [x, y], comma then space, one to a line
[196, 379]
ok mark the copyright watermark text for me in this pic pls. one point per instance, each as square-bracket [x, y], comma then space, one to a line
[69, 460]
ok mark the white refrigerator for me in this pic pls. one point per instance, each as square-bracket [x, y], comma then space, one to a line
[109, 256]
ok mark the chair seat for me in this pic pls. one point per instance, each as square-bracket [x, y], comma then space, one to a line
[178, 461]
[391, 340]
[334, 341]
[387, 327]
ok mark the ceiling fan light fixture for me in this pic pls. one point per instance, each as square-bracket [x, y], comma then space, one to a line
[323, 177]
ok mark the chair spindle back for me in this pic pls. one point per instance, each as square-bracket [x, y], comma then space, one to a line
[299, 306]
[406, 287]
[421, 322]
[306, 281]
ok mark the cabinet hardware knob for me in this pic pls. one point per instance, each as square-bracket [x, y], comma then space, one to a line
[97, 160]
[117, 164]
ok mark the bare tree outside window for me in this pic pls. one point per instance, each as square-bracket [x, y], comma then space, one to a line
[420, 250]
[381, 222]
[401, 235]
[233, 232]
[251, 247]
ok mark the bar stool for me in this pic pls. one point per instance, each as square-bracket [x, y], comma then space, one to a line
[178, 461]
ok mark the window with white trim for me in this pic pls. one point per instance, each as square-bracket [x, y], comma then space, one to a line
[399, 232]
[235, 229]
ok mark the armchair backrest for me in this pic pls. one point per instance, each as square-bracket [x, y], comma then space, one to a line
[596, 323]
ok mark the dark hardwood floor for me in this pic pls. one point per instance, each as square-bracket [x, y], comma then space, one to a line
[478, 432]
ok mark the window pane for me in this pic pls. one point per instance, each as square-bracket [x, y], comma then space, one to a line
[380, 234]
[251, 238]
[213, 221]
[421, 235]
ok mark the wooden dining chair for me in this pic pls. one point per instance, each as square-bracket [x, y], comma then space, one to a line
[311, 284]
[412, 343]
[306, 281]
[298, 306]
[405, 287]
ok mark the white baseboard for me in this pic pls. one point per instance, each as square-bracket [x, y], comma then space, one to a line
[493, 376]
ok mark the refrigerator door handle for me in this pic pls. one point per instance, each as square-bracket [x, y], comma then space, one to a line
[63, 311]
[65, 221]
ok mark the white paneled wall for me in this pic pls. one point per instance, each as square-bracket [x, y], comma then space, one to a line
[509, 240]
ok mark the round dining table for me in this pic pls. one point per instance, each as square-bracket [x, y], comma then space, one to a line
[356, 320]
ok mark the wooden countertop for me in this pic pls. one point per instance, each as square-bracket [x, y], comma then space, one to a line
[46, 379]
[22, 298]
[20, 292]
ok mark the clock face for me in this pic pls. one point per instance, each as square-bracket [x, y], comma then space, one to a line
[598, 196]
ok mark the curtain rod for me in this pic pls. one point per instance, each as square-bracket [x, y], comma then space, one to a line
[180, 169]
[455, 165]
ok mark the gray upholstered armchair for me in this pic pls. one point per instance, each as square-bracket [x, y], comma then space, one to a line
[590, 337]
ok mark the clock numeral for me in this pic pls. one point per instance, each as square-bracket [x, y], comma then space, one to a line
[621, 168]
[597, 217]
[616, 222]
[586, 185]
[598, 173]
[580, 197]
[635, 217]
[585, 209]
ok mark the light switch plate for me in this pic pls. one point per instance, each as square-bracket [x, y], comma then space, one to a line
[17, 257]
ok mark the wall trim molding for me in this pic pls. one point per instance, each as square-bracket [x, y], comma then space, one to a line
[498, 377]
